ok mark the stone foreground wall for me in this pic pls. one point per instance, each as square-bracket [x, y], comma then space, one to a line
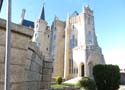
[38, 70]
[29, 70]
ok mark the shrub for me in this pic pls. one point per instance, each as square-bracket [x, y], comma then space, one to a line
[58, 80]
[107, 77]
[87, 83]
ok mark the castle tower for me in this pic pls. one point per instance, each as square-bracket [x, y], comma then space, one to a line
[89, 27]
[42, 34]
[57, 47]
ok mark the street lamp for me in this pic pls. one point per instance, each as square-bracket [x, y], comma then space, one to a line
[8, 47]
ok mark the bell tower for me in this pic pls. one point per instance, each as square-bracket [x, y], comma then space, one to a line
[93, 51]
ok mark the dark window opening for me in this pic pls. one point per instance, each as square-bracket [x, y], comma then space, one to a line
[82, 67]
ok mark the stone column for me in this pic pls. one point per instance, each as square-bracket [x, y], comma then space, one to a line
[86, 70]
[66, 53]
[79, 70]
[66, 58]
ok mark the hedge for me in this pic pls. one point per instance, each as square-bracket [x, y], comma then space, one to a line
[107, 77]
[87, 83]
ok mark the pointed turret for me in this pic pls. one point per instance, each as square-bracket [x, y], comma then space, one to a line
[42, 16]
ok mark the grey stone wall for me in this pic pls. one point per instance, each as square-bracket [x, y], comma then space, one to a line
[29, 70]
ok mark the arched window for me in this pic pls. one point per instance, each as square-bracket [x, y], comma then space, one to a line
[89, 19]
[89, 38]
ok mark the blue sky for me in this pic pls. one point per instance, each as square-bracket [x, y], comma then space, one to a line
[109, 20]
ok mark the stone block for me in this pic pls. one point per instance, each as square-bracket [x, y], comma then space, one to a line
[32, 76]
[47, 71]
[33, 85]
[18, 56]
[39, 60]
[38, 85]
[17, 73]
[19, 41]
[41, 70]
[1, 86]
[35, 67]
[2, 36]
[30, 52]
[47, 64]
[44, 85]
[18, 86]
[2, 54]
[28, 64]
[46, 78]
[33, 57]
[1, 73]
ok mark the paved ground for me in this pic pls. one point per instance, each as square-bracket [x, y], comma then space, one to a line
[122, 87]
[74, 80]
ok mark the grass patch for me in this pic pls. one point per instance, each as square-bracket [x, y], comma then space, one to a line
[62, 85]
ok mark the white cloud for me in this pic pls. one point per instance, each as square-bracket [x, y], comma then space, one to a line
[115, 56]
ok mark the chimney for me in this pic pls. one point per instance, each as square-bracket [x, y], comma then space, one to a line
[22, 16]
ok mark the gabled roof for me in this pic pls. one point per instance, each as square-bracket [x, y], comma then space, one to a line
[28, 23]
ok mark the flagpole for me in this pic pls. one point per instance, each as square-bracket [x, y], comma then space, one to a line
[8, 47]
